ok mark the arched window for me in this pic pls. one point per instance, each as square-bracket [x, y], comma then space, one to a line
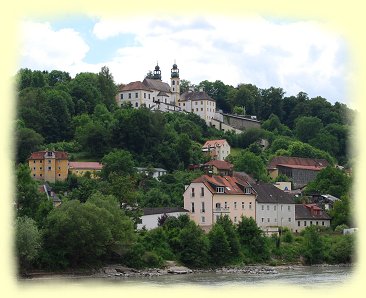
[173, 82]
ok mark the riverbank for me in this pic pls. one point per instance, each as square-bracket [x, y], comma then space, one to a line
[120, 271]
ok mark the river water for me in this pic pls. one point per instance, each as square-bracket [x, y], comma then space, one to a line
[308, 277]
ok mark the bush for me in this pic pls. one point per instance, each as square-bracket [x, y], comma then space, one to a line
[340, 228]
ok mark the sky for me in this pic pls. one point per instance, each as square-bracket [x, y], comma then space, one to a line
[296, 55]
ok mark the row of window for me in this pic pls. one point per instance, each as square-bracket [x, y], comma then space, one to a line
[203, 219]
[218, 206]
[275, 207]
[219, 189]
[48, 168]
[275, 219]
[40, 175]
[48, 160]
[311, 223]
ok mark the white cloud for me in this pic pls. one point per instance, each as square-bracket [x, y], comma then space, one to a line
[297, 56]
[44, 48]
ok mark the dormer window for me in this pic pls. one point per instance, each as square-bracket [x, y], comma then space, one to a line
[247, 191]
[220, 189]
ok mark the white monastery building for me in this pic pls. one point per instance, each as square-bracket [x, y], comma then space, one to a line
[155, 94]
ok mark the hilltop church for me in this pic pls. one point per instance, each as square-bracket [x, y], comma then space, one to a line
[155, 94]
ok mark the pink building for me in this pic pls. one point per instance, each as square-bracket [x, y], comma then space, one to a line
[209, 197]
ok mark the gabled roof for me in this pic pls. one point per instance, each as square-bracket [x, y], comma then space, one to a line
[162, 210]
[231, 185]
[301, 167]
[135, 86]
[220, 164]
[156, 85]
[303, 211]
[297, 161]
[92, 165]
[162, 93]
[193, 95]
[41, 154]
[268, 193]
[214, 143]
[244, 176]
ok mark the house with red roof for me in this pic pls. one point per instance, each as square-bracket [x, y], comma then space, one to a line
[209, 196]
[217, 149]
[218, 167]
[48, 165]
[80, 168]
[300, 170]
[308, 215]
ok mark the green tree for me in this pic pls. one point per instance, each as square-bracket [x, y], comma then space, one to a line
[232, 236]
[28, 242]
[341, 212]
[252, 240]
[193, 246]
[306, 128]
[107, 87]
[251, 164]
[119, 162]
[313, 246]
[331, 181]
[28, 198]
[219, 247]
[28, 141]
[78, 234]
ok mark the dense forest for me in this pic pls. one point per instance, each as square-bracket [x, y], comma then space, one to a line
[79, 115]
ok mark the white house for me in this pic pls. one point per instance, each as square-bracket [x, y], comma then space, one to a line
[199, 103]
[154, 172]
[310, 214]
[274, 208]
[217, 149]
[151, 216]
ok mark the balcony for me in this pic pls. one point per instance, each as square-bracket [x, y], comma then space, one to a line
[221, 210]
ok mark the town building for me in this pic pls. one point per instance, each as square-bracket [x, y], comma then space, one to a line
[308, 215]
[199, 103]
[48, 165]
[325, 202]
[274, 208]
[218, 167]
[153, 172]
[209, 196]
[217, 149]
[80, 168]
[300, 170]
[152, 92]
[150, 218]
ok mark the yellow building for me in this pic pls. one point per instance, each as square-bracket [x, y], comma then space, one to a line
[209, 196]
[79, 168]
[49, 166]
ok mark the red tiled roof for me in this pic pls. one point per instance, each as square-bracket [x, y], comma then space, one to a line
[91, 165]
[214, 143]
[299, 161]
[232, 185]
[135, 86]
[220, 164]
[41, 155]
[301, 167]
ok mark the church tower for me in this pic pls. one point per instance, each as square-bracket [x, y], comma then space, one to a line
[175, 84]
[157, 72]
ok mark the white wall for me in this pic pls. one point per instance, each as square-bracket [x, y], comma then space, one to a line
[151, 221]
[301, 224]
[282, 215]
